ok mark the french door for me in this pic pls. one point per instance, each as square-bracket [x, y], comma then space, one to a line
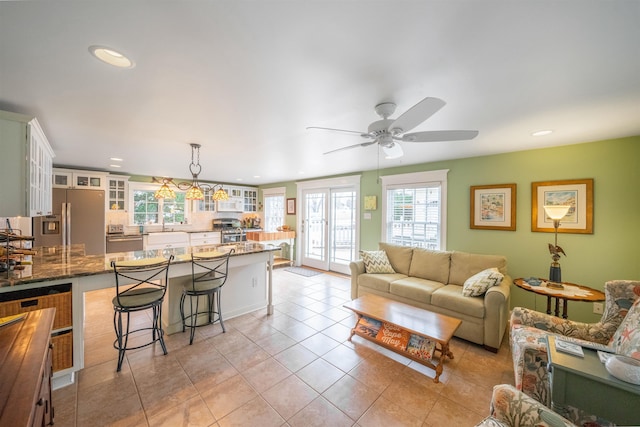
[329, 228]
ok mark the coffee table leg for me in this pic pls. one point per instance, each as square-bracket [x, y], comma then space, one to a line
[353, 330]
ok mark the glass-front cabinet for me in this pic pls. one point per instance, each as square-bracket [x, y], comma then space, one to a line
[251, 200]
[69, 178]
[117, 192]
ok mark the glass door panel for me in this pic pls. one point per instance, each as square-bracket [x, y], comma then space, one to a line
[342, 225]
[315, 230]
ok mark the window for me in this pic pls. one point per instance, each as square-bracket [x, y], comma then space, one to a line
[149, 210]
[415, 209]
[273, 208]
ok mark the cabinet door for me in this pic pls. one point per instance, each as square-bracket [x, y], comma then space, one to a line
[250, 200]
[117, 193]
[85, 180]
[40, 166]
[62, 179]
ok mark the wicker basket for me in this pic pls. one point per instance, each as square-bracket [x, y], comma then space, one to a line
[62, 350]
[60, 301]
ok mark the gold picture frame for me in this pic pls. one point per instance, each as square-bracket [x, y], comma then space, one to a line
[493, 207]
[577, 193]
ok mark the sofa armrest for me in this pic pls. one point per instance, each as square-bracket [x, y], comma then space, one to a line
[496, 309]
[357, 268]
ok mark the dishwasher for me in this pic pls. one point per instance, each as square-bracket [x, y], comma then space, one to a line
[117, 241]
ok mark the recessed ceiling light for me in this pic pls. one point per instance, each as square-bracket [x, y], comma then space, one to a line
[256, 176]
[115, 159]
[542, 133]
[115, 166]
[111, 56]
[238, 179]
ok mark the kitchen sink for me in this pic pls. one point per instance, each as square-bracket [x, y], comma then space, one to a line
[167, 239]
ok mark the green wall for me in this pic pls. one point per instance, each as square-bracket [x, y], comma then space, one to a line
[611, 252]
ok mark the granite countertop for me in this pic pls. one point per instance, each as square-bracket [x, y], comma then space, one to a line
[52, 263]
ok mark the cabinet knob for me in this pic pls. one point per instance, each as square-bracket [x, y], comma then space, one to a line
[40, 402]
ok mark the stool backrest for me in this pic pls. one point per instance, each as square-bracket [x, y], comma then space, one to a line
[136, 276]
[209, 271]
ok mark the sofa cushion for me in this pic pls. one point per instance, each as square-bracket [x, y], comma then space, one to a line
[378, 282]
[414, 288]
[451, 298]
[399, 256]
[479, 283]
[430, 265]
[626, 340]
[376, 262]
[465, 265]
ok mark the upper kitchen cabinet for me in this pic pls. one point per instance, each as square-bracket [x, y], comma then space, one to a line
[117, 192]
[25, 167]
[70, 178]
[250, 200]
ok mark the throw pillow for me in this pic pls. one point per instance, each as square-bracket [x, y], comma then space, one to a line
[479, 283]
[376, 262]
[626, 340]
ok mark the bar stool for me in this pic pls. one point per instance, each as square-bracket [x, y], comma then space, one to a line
[140, 285]
[209, 272]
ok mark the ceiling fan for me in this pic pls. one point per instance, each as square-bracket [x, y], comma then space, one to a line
[387, 132]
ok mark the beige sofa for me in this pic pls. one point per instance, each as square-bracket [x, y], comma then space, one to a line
[433, 280]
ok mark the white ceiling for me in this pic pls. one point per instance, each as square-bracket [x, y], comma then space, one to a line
[245, 78]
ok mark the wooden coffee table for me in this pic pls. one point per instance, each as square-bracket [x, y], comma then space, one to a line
[424, 323]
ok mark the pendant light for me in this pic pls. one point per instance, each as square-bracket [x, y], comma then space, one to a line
[194, 189]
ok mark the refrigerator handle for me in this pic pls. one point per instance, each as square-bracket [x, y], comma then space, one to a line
[64, 224]
[68, 221]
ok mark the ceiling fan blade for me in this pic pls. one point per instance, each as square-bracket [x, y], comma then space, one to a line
[363, 144]
[439, 135]
[351, 132]
[416, 115]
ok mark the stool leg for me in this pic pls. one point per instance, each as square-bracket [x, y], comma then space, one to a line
[158, 326]
[194, 317]
[182, 298]
[220, 310]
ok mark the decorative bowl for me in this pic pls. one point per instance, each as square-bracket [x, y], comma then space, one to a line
[624, 368]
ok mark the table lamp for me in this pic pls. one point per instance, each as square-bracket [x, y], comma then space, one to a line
[556, 213]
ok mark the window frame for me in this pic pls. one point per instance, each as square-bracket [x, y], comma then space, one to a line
[273, 192]
[142, 186]
[417, 180]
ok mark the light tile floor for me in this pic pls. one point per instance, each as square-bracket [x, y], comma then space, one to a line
[293, 368]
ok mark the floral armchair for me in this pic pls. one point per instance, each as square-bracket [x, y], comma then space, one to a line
[528, 338]
[511, 407]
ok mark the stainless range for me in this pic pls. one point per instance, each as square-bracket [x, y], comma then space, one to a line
[230, 229]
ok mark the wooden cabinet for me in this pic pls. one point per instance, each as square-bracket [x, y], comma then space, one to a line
[117, 192]
[69, 178]
[25, 167]
[25, 369]
[52, 296]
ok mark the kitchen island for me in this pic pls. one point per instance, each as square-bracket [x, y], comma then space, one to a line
[248, 287]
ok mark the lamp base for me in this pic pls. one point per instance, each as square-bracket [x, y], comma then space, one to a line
[555, 275]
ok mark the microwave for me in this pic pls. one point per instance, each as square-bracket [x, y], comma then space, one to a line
[231, 205]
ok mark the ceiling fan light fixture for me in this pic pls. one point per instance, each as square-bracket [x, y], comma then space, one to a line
[393, 151]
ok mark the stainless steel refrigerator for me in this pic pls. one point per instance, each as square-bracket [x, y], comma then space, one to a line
[78, 217]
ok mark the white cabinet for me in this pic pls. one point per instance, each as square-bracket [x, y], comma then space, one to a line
[205, 238]
[117, 192]
[250, 200]
[69, 178]
[25, 167]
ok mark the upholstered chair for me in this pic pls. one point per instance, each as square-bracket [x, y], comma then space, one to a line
[528, 338]
[511, 407]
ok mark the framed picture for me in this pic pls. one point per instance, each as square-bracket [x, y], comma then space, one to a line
[493, 207]
[370, 203]
[291, 206]
[577, 193]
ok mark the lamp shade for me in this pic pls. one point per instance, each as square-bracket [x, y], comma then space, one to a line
[220, 194]
[556, 212]
[164, 192]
